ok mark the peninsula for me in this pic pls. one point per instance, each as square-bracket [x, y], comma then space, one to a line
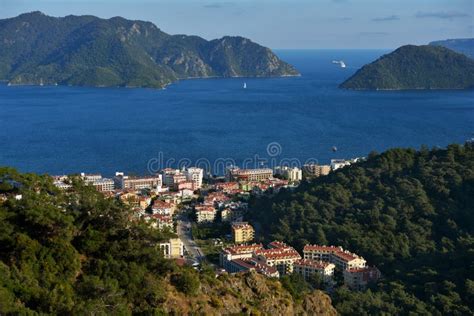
[38, 49]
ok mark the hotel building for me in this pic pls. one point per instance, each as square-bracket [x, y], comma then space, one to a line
[236, 174]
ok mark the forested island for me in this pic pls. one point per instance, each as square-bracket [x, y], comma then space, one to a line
[413, 67]
[89, 51]
[410, 211]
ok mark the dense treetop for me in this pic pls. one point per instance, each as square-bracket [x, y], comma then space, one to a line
[415, 67]
[410, 213]
[89, 51]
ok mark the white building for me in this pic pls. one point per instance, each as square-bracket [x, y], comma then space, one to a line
[204, 215]
[307, 267]
[195, 174]
[339, 163]
[172, 249]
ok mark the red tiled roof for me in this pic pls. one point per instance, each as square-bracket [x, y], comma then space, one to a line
[322, 248]
[346, 256]
[279, 253]
[312, 263]
[240, 249]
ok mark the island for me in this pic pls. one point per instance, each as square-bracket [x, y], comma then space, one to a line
[37, 49]
[413, 67]
[461, 45]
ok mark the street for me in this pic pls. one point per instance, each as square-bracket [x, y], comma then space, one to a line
[183, 230]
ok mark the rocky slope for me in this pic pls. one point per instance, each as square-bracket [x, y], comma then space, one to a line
[248, 293]
[89, 51]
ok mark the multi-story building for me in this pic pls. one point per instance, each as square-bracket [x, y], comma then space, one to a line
[359, 278]
[308, 267]
[292, 174]
[242, 232]
[163, 208]
[343, 259]
[104, 185]
[137, 183]
[160, 221]
[195, 175]
[237, 174]
[168, 176]
[280, 256]
[96, 180]
[205, 213]
[237, 252]
[88, 178]
[174, 248]
[230, 214]
[317, 170]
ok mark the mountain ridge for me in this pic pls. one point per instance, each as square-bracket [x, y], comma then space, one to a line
[90, 51]
[461, 45]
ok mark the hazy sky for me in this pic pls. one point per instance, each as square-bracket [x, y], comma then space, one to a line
[283, 23]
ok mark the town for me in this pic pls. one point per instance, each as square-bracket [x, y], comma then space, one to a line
[190, 204]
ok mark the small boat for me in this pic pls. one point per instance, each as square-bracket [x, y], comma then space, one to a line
[341, 63]
[245, 85]
[334, 148]
[41, 82]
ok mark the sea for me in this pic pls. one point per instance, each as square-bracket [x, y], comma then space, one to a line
[216, 122]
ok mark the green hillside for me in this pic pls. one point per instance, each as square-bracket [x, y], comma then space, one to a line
[415, 67]
[89, 51]
[410, 213]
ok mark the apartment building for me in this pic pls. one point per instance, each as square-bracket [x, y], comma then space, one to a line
[343, 259]
[172, 249]
[163, 208]
[280, 256]
[292, 174]
[317, 170]
[307, 267]
[359, 278]
[205, 213]
[242, 232]
[159, 221]
[237, 252]
[195, 175]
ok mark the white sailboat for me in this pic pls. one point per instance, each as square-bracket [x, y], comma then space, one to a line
[245, 85]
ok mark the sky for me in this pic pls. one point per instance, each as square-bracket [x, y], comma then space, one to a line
[283, 24]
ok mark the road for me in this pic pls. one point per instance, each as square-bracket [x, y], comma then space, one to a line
[183, 230]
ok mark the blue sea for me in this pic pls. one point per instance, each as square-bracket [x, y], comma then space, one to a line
[60, 130]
